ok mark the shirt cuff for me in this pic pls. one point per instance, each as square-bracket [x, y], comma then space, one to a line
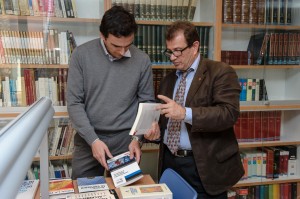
[188, 116]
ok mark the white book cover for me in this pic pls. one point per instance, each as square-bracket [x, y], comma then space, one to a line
[28, 189]
[88, 184]
[146, 115]
[105, 194]
[124, 170]
[146, 191]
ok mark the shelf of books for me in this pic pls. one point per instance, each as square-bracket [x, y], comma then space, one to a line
[260, 39]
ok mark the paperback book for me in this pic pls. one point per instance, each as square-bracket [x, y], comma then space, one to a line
[89, 184]
[61, 186]
[146, 116]
[124, 170]
[28, 189]
[146, 191]
[106, 194]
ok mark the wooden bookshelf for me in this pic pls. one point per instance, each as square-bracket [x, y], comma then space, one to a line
[265, 66]
[244, 145]
[264, 181]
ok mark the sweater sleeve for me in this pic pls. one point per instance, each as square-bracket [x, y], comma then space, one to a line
[75, 100]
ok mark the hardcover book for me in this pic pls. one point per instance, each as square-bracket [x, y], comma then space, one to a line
[89, 184]
[124, 170]
[147, 114]
[27, 189]
[146, 191]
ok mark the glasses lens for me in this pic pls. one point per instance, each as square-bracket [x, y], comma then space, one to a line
[177, 53]
[168, 53]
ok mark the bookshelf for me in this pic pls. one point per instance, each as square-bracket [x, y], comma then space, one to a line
[281, 82]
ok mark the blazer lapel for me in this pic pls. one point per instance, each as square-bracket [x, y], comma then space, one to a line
[197, 81]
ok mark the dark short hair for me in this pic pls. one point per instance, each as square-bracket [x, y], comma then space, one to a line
[118, 22]
[190, 33]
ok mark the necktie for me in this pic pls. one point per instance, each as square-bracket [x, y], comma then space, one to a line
[175, 125]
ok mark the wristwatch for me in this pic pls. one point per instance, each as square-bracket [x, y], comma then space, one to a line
[136, 138]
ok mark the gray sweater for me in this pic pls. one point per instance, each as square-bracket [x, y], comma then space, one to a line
[103, 96]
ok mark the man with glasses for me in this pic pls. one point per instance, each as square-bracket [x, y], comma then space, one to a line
[108, 78]
[200, 106]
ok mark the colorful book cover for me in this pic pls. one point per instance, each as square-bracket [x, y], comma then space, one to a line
[124, 170]
[88, 184]
[61, 186]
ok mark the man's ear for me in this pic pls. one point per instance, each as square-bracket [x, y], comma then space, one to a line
[196, 46]
[102, 36]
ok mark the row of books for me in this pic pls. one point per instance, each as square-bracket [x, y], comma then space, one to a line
[275, 48]
[57, 170]
[49, 47]
[253, 89]
[151, 39]
[160, 9]
[258, 126]
[158, 75]
[269, 162]
[61, 138]
[235, 57]
[57, 8]
[93, 187]
[32, 84]
[274, 191]
[257, 11]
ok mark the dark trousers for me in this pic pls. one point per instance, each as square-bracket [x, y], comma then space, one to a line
[186, 167]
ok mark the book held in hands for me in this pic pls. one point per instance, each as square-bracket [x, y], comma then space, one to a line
[124, 170]
[88, 184]
[146, 116]
[146, 191]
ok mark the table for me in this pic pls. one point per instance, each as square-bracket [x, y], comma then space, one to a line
[147, 179]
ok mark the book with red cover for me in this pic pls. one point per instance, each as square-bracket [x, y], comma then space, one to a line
[271, 120]
[251, 127]
[269, 162]
[257, 126]
[265, 125]
[277, 124]
[244, 127]
[237, 129]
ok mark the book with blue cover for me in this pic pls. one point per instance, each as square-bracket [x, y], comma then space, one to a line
[88, 184]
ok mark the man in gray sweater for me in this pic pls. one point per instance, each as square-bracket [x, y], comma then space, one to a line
[108, 78]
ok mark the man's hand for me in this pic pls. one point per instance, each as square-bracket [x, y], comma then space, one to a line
[100, 150]
[171, 109]
[135, 150]
[153, 133]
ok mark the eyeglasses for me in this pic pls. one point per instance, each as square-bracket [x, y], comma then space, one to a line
[176, 53]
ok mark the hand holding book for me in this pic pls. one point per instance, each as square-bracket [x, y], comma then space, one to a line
[153, 133]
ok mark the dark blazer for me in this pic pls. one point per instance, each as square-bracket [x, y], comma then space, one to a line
[214, 99]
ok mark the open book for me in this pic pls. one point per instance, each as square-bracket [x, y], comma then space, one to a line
[147, 114]
[124, 170]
